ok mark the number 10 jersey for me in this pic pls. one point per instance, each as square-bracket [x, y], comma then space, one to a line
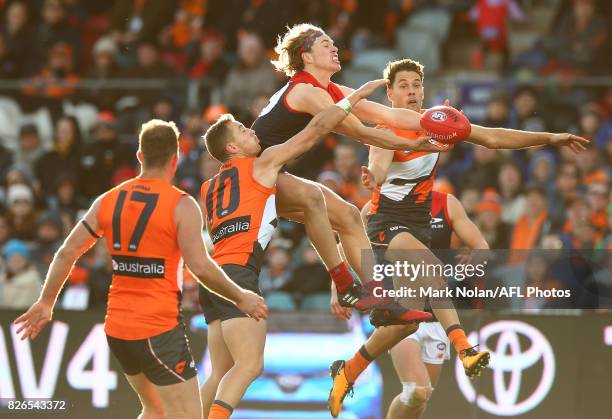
[240, 214]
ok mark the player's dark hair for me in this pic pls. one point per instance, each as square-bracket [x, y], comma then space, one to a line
[394, 67]
[217, 137]
[158, 142]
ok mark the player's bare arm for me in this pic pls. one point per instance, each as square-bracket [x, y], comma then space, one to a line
[379, 161]
[312, 100]
[376, 113]
[266, 167]
[80, 239]
[503, 138]
[189, 226]
[463, 227]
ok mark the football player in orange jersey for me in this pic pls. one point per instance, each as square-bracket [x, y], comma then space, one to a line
[400, 214]
[149, 227]
[240, 210]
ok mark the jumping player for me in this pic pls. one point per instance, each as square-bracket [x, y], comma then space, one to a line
[418, 359]
[239, 203]
[401, 211]
[149, 227]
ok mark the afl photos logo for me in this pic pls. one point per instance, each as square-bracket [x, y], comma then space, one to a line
[509, 358]
[438, 116]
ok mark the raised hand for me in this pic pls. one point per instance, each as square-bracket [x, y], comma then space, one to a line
[339, 312]
[427, 144]
[370, 87]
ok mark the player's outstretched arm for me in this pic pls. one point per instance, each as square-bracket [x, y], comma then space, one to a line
[188, 221]
[274, 158]
[503, 138]
[312, 100]
[80, 239]
[376, 113]
[463, 227]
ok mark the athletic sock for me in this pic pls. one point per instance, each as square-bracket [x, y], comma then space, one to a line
[456, 334]
[341, 276]
[357, 364]
[220, 410]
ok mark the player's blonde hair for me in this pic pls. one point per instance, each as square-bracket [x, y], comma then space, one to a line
[158, 142]
[291, 45]
[217, 137]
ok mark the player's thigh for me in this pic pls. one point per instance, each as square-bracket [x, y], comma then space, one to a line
[406, 357]
[147, 393]
[245, 338]
[220, 357]
[407, 241]
[181, 399]
[294, 194]
[434, 371]
[364, 212]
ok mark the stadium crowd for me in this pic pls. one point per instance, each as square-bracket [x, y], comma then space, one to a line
[540, 198]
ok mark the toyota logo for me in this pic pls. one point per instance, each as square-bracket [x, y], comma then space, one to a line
[438, 116]
[508, 357]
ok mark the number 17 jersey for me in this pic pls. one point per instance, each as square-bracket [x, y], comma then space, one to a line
[137, 220]
[240, 214]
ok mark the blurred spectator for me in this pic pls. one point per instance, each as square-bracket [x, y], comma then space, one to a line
[589, 164]
[135, 108]
[498, 112]
[491, 18]
[537, 275]
[532, 224]
[63, 159]
[65, 198]
[29, 149]
[484, 168]
[542, 170]
[275, 274]
[495, 231]
[309, 277]
[564, 193]
[103, 70]
[163, 109]
[140, 20]
[525, 113]
[590, 122]
[186, 28]
[16, 44]
[576, 44]
[55, 29]
[210, 61]
[6, 161]
[21, 283]
[252, 77]
[20, 204]
[101, 159]
[605, 243]
[346, 165]
[54, 83]
[6, 231]
[470, 197]
[190, 152]
[509, 183]
[49, 233]
[100, 266]
[597, 197]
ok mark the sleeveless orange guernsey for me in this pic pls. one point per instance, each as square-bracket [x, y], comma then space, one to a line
[137, 220]
[240, 214]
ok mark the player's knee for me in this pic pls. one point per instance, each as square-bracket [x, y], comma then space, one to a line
[252, 369]
[153, 411]
[405, 330]
[415, 396]
[313, 198]
[347, 217]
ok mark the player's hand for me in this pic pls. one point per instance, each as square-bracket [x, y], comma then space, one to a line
[253, 305]
[370, 87]
[339, 312]
[34, 320]
[576, 143]
[427, 144]
[367, 178]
